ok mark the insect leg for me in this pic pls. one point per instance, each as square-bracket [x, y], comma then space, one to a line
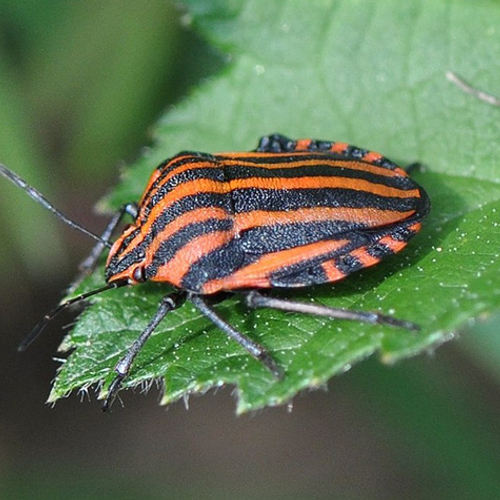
[122, 368]
[256, 350]
[255, 299]
[87, 266]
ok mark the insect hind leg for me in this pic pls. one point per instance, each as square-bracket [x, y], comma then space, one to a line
[256, 300]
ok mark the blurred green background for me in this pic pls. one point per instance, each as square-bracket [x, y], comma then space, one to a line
[81, 83]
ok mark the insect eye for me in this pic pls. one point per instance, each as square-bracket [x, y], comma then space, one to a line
[138, 275]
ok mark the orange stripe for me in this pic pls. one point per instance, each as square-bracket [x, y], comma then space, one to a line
[182, 168]
[151, 181]
[369, 216]
[372, 156]
[395, 245]
[318, 182]
[207, 185]
[363, 256]
[257, 273]
[339, 147]
[198, 215]
[118, 242]
[181, 191]
[239, 160]
[302, 144]
[174, 270]
[332, 272]
[415, 227]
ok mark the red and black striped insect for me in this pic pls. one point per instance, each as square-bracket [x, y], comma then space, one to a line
[292, 213]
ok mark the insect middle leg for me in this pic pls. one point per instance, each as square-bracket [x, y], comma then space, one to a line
[255, 349]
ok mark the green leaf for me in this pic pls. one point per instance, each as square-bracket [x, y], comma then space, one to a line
[364, 72]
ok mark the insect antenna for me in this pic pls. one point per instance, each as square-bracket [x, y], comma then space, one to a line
[61, 307]
[39, 198]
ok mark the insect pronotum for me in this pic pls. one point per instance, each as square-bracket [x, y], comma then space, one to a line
[292, 213]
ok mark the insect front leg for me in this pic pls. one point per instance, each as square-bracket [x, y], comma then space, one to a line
[88, 265]
[122, 368]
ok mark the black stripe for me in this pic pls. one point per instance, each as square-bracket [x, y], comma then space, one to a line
[188, 204]
[348, 264]
[219, 263]
[170, 246]
[292, 157]
[274, 238]
[303, 276]
[402, 233]
[247, 200]
[232, 257]
[201, 200]
[126, 242]
[181, 159]
[215, 174]
[350, 153]
[167, 166]
[321, 169]
[250, 199]
[379, 250]
[120, 263]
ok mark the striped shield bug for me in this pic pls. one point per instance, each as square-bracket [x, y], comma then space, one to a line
[291, 213]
